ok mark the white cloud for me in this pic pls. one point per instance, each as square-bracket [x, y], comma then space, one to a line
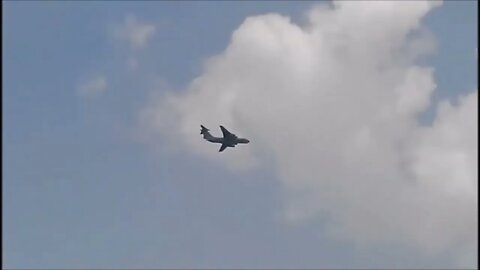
[93, 87]
[332, 107]
[443, 158]
[136, 33]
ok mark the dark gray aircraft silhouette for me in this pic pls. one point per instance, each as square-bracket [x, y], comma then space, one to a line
[228, 140]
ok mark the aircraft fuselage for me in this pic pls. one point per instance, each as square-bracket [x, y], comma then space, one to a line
[228, 142]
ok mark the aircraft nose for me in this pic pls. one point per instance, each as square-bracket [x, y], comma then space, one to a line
[247, 140]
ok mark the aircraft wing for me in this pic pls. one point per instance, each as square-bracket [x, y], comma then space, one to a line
[222, 147]
[227, 134]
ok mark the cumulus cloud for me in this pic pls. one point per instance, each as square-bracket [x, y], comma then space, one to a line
[331, 107]
[136, 33]
[94, 87]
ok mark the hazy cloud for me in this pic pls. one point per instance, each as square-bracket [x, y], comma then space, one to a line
[93, 87]
[136, 33]
[332, 107]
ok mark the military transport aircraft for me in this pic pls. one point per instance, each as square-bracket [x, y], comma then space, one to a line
[228, 140]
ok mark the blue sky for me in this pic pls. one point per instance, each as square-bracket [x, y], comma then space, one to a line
[81, 191]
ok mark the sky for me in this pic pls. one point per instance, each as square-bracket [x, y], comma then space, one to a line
[361, 116]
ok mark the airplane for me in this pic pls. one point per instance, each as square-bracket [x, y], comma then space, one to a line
[228, 140]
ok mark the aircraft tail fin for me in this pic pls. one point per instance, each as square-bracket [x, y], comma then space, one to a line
[205, 132]
[204, 129]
